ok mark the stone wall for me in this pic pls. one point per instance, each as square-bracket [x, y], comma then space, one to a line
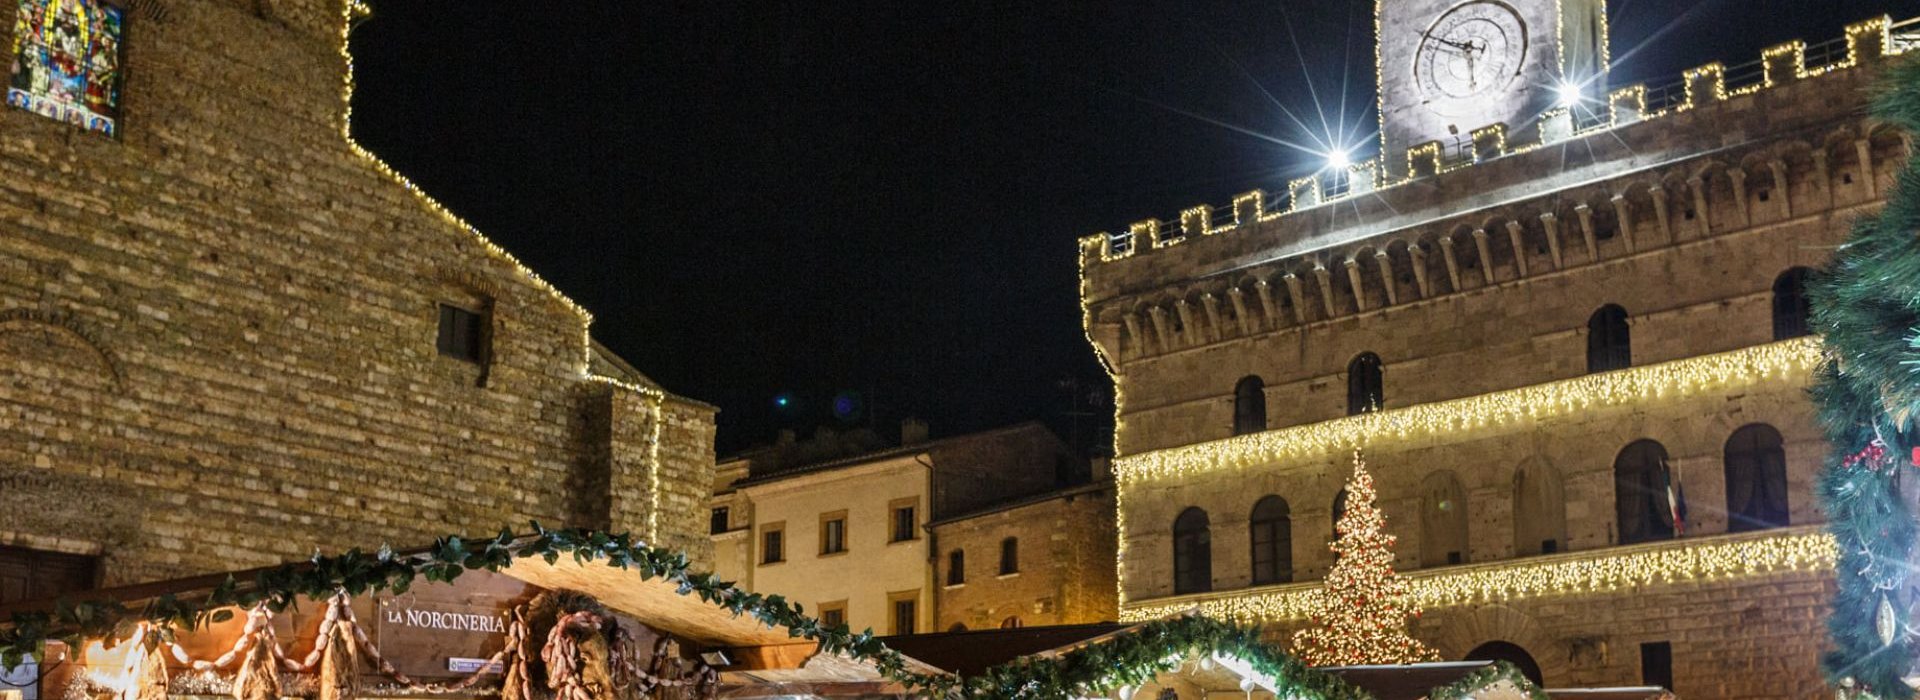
[220, 327]
[1066, 562]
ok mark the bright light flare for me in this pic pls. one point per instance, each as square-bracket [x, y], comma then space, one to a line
[1339, 159]
[1570, 94]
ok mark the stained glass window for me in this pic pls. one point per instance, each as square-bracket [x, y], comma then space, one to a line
[66, 62]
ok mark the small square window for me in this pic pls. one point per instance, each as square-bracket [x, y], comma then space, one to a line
[833, 614]
[905, 609]
[462, 334]
[773, 543]
[833, 533]
[905, 523]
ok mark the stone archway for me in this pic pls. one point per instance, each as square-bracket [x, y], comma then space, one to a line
[1466, 631]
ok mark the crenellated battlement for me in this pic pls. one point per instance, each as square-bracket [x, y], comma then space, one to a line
[1863, 42]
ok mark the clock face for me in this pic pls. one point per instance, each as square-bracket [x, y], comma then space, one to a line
[1475, 50]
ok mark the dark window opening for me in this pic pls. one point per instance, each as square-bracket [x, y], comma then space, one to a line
[1609, 343]
[1339, 509]
[905, 615]
[29, 574]
[1009, 556]
[1510, 653]
[1249, 406]
[956, 567]
[833, 536]
[1689, 214]
[721, 520]
[1270, 530]
[1192, 552]
[1012, 623]
[1846, 178]
[1656, 664]
[1791, 308]
[1766, 195]
[773, 547]
[1366, 392]
[1645, 498]
[1549, 546]
[463, 334]
[903, 524]
[1756, 466]
[833, 617]
[1454, 558]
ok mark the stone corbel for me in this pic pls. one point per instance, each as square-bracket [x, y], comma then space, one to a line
[1162, 336]
[1586, 231]
[1552, 224]
[1212, 303]
[1239, 300]
[1779, 168]
[1453, 262]
[1623, 215]
[1353, 282]
[1418, 257]
[1325, 277]
[1486, 255]
[1700, 209]
[1661, 211]
[1385, 264]
[1739, 178]
[1516, 236]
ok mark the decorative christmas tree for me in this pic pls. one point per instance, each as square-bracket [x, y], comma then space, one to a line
[1866, 307]
[1360, 614]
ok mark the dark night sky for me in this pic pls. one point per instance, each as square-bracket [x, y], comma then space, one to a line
[882, 196]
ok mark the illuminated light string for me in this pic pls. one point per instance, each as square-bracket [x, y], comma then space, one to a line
[1877, 28]
[1786, 360]
[1801, 550]
[352, 10]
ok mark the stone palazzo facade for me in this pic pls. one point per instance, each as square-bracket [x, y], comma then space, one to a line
[1574, 353]
[230, 336]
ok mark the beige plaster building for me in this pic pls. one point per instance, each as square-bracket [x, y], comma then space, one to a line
[848, 537]
[228, 335]
[1546, 334]
[1034, 561]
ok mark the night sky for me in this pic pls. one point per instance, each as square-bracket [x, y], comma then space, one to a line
[879, 198]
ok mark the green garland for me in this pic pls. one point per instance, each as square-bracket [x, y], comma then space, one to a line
[359, 573]
[1133, 657]
[1127, 659]
[1464, 688]
[1867, 308]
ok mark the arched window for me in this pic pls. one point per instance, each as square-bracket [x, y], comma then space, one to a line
[1249, 406]
[956, 567]
[1790, 306]
[1365, 393]
[1192, 553]
[1443, 520]
[1756, 479]
[1609, 347]
[1012, 623]
[1510, 653]
[1539, 510]
[1641, 493]
[1271, 532]
[1009, 556]
[1339, 509]
[958, 627]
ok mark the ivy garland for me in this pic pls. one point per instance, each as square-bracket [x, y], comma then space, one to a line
[1134, 657]
[1866, 305]
[1128, 659]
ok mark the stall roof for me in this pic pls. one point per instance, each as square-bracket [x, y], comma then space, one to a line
[970, 653]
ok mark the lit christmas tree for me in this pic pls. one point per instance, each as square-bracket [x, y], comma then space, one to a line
[1360, 614]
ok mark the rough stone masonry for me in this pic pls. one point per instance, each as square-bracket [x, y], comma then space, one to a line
[217, 332]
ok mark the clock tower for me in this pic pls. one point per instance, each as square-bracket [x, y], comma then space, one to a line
[1448, 67]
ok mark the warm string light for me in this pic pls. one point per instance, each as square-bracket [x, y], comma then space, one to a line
[1790, 361]
[352, 10]
[1360, 611]
[1805, 549]
[656, 406]
[1877, 29]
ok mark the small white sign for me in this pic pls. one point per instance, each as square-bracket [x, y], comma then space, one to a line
[460, 665]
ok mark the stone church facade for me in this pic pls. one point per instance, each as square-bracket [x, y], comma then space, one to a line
[230, 336]
[1535, 334]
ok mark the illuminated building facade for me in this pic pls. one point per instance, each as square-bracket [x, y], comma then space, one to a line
[1574, 350]
[230, 336]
